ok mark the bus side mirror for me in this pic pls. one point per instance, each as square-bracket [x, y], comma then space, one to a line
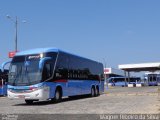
[4, 64]
[42, 61]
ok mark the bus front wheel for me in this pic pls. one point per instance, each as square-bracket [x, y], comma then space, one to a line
[58, 95]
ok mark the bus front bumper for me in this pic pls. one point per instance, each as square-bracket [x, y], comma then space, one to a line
[40, 94]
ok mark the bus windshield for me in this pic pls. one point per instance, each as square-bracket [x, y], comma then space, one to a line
[24, 70]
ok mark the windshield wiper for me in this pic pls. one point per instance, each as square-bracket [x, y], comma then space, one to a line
[27, 75]
[18, 75]
[12, 77]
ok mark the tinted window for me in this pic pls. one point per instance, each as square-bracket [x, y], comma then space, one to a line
[74, 67]
[53, 55]
[61, 71]
[18, 59]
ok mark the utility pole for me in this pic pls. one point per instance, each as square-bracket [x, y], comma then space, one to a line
[104, 72]
[16, 32]
[16, 24]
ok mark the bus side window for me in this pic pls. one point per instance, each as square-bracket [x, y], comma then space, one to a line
[63, 72]
[47, 71]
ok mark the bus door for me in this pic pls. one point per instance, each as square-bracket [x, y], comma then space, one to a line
[152, 79]
[158, 79]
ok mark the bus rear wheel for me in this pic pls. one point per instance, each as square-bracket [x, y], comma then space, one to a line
[97, 91]
[93, 92]
[29, 102]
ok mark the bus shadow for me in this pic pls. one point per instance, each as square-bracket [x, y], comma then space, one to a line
[38, 103]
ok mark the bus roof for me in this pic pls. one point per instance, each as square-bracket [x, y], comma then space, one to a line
[43, 50]
[36, 51]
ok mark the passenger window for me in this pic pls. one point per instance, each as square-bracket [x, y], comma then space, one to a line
[61, 73]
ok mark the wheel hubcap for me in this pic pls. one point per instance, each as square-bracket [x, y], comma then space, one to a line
[57, 95]
[92, 91]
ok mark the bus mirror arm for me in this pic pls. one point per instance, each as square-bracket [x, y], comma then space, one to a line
[42, 61]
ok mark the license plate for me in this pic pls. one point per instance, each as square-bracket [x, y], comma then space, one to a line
[21, 96]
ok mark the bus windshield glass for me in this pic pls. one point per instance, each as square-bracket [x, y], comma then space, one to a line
[24, 70]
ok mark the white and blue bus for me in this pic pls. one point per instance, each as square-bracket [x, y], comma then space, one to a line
[123, 81]
[4, 79]
[153, 79]
[3, 82]
[50, 74]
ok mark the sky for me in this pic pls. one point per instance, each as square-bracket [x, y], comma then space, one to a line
[110, 31]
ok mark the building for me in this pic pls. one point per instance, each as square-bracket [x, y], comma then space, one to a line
[147, 67]
[112, 72]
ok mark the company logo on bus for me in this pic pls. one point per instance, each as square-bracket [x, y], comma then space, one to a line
[34, 57]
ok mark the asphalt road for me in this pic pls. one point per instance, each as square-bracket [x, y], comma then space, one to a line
[117, 100]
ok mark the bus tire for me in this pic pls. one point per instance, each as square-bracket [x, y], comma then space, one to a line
[29, 102]
[97, 91]
[58, 95]
[93, 91]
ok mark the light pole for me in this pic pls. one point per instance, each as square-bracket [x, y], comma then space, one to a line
[104, 71]
[15, 21]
